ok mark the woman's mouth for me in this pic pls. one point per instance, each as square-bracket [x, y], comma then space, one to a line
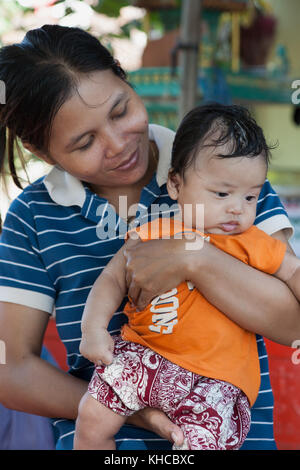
[130, 163]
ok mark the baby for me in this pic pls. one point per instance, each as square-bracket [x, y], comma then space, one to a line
[180, 354]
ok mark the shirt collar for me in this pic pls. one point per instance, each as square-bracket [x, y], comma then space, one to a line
[66, 190]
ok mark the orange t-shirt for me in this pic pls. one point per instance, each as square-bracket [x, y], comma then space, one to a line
[182, 326]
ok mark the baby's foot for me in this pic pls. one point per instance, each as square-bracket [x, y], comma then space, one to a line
[183, 446]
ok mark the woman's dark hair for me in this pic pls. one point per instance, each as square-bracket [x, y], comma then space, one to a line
[214, 125]
[40, 74]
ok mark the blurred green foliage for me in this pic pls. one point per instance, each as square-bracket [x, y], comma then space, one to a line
[13, 15]
[9, 12]
[110, 7]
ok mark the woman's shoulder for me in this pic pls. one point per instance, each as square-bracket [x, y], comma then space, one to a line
[35, 191]
[25, 203]
[271, 215]
[20, 216]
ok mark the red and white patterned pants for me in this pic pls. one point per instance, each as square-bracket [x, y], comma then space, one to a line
[212, 414]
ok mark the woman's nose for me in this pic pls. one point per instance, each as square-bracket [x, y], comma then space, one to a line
[115, 145]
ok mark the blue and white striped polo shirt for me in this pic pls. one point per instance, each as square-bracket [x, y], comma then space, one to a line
[57, 238]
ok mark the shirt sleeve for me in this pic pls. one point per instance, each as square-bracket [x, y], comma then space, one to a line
[270, 214]
[265, 252]
[23, 277]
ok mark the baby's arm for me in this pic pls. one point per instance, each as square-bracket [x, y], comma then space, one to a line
[103, 300]
[289, 272]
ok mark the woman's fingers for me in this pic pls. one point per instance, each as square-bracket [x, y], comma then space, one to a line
[144, 298]
[138, 294]
[152, 268]
[133, 287]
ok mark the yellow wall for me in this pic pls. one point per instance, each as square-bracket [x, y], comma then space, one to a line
[276, 119]
[288, 14]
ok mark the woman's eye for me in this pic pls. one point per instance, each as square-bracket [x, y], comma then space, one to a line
[86, 146]
[121, 113]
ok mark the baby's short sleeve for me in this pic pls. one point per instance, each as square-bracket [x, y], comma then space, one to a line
[265, 252]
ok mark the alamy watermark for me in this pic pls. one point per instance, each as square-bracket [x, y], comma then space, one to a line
[2, 352]
[296, 94]
[2, 92]
[118, 223]
[296, 354]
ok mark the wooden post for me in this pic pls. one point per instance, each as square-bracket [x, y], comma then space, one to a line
[188, 59]
[235, 42]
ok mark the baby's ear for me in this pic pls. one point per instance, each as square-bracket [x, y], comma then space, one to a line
[173, 184]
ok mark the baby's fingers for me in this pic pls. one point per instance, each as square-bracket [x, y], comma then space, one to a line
[105, 359]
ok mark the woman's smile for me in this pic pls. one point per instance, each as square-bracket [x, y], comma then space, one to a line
[129, 163]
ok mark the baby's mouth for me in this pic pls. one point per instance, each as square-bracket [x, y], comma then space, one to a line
[229, 226]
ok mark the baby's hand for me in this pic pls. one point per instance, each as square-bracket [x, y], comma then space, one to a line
[97, 346]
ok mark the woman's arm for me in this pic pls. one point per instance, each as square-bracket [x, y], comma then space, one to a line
[289, 272]
[27, 382]
[254, 300]
[32, 385]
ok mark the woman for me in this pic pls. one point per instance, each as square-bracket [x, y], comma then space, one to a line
[68, 101]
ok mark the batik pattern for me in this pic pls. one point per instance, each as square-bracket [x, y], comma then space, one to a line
[213, 414]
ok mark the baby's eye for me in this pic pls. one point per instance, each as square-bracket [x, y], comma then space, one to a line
[220, 194]
[250, 198]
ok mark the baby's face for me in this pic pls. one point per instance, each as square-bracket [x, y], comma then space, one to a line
[226, 188]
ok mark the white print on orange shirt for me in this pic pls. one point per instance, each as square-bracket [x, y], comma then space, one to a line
[165, 307]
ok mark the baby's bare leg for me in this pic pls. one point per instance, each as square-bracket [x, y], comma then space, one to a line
[96, 425]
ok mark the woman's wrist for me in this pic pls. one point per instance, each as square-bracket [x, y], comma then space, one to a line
[196, 258]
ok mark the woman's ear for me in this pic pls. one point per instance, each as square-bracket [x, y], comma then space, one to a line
[38, 153]
[173, 184]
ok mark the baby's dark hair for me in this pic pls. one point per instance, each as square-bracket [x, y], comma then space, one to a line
[214, 125]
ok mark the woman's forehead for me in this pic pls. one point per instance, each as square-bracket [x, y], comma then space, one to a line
[95, 95]
[96, 88]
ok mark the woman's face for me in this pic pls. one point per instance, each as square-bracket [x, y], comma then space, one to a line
[100, 135]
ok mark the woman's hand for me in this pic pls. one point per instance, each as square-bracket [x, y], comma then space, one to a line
[155, 267]
[156, 421]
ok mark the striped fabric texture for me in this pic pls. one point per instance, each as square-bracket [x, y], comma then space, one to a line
[57, 238]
